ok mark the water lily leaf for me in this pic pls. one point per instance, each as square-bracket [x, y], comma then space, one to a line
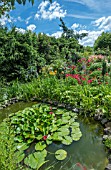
[75, 124]
[58, 122]
[65, 114]
[75, 130]
[19, 155]
[74, 115]
[19, 139]
[39, 137]
[30, 140]
[22, 146]
[72, 120]
[76, 136]
[48, 142]
[57, 136]
[40, 155]
[64, 131]
[64, 120]
[67, 141]
[53, 128]
[40, 146]
[31, 161]
[60, 154]
[59, 112]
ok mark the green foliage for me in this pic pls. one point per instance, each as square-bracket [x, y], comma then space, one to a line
[107, 143]
[22, 56]
[103, 43]
[69, 33]
[8, 159]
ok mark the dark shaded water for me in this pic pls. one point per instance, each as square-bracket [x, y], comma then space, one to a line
[88, 151]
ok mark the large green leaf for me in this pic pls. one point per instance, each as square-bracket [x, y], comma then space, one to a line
[22, 146]
[40, 146]
[64, 131]
[57, 136]
[67, 140]
[36, 160]
[19, 155]
[31, 161]
[60, 154]
[76, 136]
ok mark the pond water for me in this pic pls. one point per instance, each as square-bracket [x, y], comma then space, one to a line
[89, 151]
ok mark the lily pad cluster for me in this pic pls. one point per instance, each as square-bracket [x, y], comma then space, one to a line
[41, 125]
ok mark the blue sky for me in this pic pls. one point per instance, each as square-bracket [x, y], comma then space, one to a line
[89, 16]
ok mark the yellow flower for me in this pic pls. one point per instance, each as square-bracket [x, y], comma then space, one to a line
[52, 73]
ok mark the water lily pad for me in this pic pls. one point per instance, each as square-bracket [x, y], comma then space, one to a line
[36, 160]
[59, 112]
[67, 140]
[64, 131]
[60, 154]
[57, 136]
[40, 146]
[22, 146]
[64, 120]
[39, 137]
[66, 114]
[76, 136]
[19, 155]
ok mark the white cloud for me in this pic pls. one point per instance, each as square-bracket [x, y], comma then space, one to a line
[75, 25]
[50, 11]
[4, 20]
[36, 16]
[19, 19]
[31, 27]
[21, 30]
[90, 39]
[101, 5]
[57, 34]
[98, 21]
[83, 16]
[28, 19]
[103, 23]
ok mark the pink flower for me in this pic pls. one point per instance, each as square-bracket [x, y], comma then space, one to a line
[45, 137]
[89, 81]
[50, 113]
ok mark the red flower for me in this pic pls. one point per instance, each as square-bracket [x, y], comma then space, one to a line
[45, 137]
[89, 81]
[50, 113]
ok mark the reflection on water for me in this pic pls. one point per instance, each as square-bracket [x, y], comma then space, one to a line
[88, 151]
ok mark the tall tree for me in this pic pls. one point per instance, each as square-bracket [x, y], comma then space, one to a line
[69, 33]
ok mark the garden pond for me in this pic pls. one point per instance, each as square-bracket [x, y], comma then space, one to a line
[88, 153]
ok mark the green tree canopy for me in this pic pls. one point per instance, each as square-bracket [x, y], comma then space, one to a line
[69, 33]
[103, 42]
